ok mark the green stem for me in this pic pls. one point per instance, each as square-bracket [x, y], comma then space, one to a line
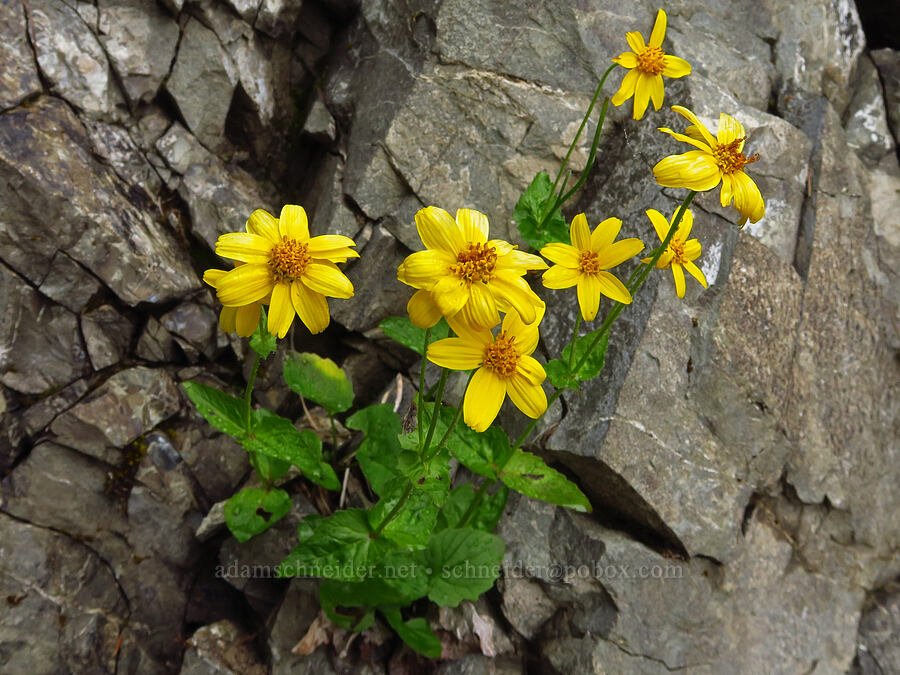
[574, 340]
[419, 412]
[590, 162]
[446, 437]
[334, 435]
[436, 411]
[476, 502]
[394, 511]
[248, 392]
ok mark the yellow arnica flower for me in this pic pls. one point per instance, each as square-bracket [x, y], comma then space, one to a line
[681, 251]
[585, 262]
[718, 158]
[281, 259]
[241, 320]
[647, 65]
[505, 367]
[462, 274]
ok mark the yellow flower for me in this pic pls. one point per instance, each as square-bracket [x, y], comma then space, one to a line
[585, 262]
[716, 159]
[462, 274]
[647, 64]
[505, 367]
[241, 320]
[681, 252]
[282, 260]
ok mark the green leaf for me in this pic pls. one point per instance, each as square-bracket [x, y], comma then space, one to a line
[252, 511]
[224, 412]
[263, 342]
[269, 468]
[464, 564]
[530, 475]
[308, 525]
[594, 363]
[318, 379]
[482, 453]
[404, 331]
[349, 604]
[341, 547]
[378, 452]
[559, 375]
[277, 437]
[486, 516]
[416, 633]
[530, 210]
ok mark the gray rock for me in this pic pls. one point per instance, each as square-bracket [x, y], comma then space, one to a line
[525, 605]
[40, 345]
[156, 343]
[115, 145]
[38, 417]
[320, 125]
[212, 522]
[194, 327]
[888, 63]
[278, 18]
[68, 284]
[478, 664]
[128, 405]
[107, 336]
[95, 221]
[295, 615]
[19, 78]
[879, 650]
[221, 649]
[327, 207]
[73, 61]
[202, 82]
[866, 122]
[217, 463]
[140, 40]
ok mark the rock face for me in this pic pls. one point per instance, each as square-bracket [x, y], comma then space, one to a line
[739, 447]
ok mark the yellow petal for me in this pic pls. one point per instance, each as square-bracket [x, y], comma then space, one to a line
[730, 130]
[694, 170]
[675, 67]
[562, 254]
[627, 60]
[483, 399]
[747, 198]
[726, 194]
[474, 225]
[530, 369]
[526, 334]
[678, 273]
[588, 296]
[516, 291]
[451, 294]
[520, 262]
[657, 92]
[212, 277]
[659, 30]
[293, 223]
[422, 269]
[481, 309]
[423, 310]
[281, 310]
[580, 233]
[264, 224]
[227, 319]
[245, 284]
[324, 277]
[692, 249]
[617, 253]
[686, 224]
[696, 272]
[642, 95]
[469, 331]
[635, 41]
[626, 90]
[439, 231]
[527, 397]
[501, 248]
[456, 353]
[684, 138]
[331, 245]
[660, 224]
[247, 319]
[311, 307]
[612, 288]
[560, 277]
[605, 233]
[694, 120]
[243, 246]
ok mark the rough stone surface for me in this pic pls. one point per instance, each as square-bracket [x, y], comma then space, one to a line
[107, 336]
[19, 78]
[878, 650]
[194, 327]
[888, 63]
[68, 284]
[221, 648]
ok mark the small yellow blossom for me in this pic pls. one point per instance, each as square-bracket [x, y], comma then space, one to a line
[463, 274]
[505, 367]
[718, 158]
[585, 262]
[241, 320]
[282, 262]
[681, 251]
[647, 65]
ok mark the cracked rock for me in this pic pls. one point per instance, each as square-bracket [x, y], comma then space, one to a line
[866, 118]
[888, 63]
[68, 284]
[156, 343]
[221, 648]
[195, 327]
[107, 335]
[18, 79]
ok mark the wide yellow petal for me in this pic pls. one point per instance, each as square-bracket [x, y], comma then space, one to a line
[695, 121]
[324, 277]
[694, 170]
[331, 245]
[692, 249]
[439, 231]
[247, 319]
[660, 224]
[481, 309]
[730, 130]
[580, 233]
[747, 198]
[423, 310]
[686, 138]
[642, 94]
[422, 269]
[281, 310]
[627, 60]
[293, 223]
[311, 307]
[588, 296]
[456, 353]
[516, 291]
[626, 89]
[243, 246]
[212, 277]
[530, 369]
[501, 248]
[659, 29]
[560, 277]
[264, 224]
[527, 397]
[483, 399]
[617, 253]
[469, 331]
[519, 261]
[474, 225]
[562, 254]
[657, 91]
[612, 288]
[696, 272]
[605, 233]
[635, 41]
[227, 319]
[678, 273]
[675, 67]
[686, 224]
[526, 334]
[450, 293]
[245, 284]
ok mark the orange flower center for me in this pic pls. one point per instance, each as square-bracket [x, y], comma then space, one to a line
[475, 263]
[677, 249]
[589, 263]
[288, 260]
[652, 61]
[730, 159]
[501, 356]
